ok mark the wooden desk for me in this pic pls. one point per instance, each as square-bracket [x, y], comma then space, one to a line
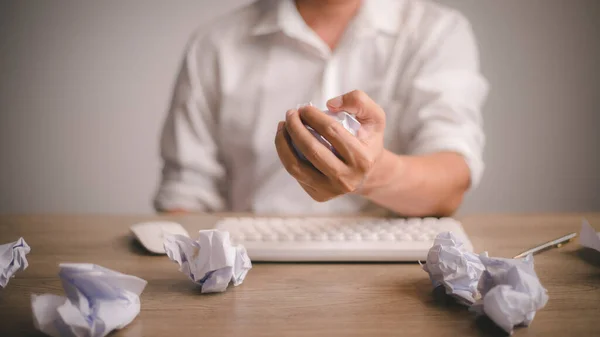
[302, 299]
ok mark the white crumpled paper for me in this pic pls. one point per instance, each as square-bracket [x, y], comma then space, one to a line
[508, 291]
[347, 120]
[98, 301]
[211, 260]
[588, 237]
[12, 259]
[511, 292]
[451, 266]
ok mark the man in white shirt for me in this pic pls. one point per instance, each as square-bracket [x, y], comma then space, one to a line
[408, 70]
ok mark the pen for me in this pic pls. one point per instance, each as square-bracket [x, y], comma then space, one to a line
[551, 244]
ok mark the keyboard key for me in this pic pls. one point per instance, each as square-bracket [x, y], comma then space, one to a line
[270, 236]
[403, 237]
[386, 237]
[319, 237]
[336, 237]
[286, 237]
[355, 237]
[302, 237]
[369, 236]
[421, 237]
[253, 237]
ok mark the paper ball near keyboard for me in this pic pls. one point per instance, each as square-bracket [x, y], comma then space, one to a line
[348, 122]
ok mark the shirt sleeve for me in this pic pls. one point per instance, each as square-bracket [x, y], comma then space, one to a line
[192, 173]
[446, 96]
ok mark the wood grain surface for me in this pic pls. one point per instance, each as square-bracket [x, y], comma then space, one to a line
[302, 299]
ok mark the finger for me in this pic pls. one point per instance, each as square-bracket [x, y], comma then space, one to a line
[348, 146]
[318, 195]
[318, 154]
[361, 105]
[296, 168]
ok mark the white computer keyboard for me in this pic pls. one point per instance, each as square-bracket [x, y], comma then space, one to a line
[339, 239]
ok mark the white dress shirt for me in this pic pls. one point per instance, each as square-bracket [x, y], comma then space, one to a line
[416, 59]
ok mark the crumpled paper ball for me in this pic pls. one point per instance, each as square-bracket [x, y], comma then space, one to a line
[98, 300]
[456, 269]
[511, 292]
[12, 259]
[348, 122]
[211, 261]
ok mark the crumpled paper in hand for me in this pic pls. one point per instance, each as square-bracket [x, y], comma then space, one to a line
[347, 120]
[511, 292]
[588, 237]
[211, 260]
[98, 301]
[12, 259]
[456, 269]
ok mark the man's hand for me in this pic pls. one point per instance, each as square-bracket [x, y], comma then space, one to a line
[335, 176]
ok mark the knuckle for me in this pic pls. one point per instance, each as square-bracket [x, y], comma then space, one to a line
[314, 154]
[344, 185]
[287, 167]
[359, 96]
[310, 108]
[318, 197]
[290, 130]
[365, 163]
[316, 194]
[289, 114]
[333, 128]
[323, 198]
[294, 170]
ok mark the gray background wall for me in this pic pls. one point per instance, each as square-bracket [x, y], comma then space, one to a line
[84, 87]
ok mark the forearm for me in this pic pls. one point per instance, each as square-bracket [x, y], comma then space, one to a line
[430, 185]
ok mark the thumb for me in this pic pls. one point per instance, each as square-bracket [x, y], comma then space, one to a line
[361, 105]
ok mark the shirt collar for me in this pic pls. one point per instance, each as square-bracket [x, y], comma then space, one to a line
[268, 20]
[374, 15]
[383, 16]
